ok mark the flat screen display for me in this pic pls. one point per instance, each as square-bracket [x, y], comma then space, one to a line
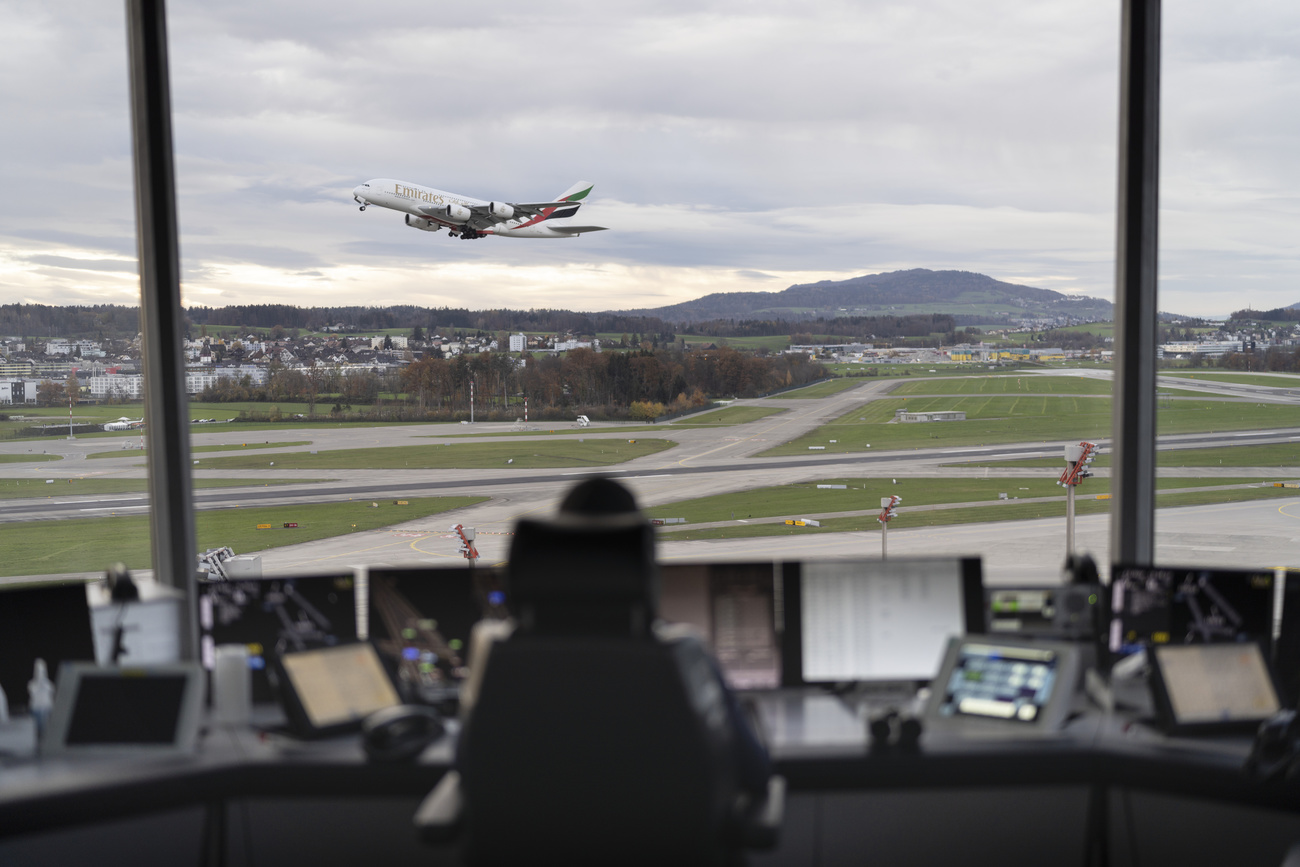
[733, 606]
[50, 622]
[420, 619]
[135, 710]
[996, 681]
[1172, 605]
[871, 620]
[275, 615]
[1216, 684]
[339, 685]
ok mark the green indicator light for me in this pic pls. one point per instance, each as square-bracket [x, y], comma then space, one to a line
[408, 633]
[455, 644]
[1092, 598]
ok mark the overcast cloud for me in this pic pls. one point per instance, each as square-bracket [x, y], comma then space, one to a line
[733, 145]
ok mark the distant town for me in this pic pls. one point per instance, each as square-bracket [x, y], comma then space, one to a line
[436, 372]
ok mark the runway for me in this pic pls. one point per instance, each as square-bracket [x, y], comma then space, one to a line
[705, 461]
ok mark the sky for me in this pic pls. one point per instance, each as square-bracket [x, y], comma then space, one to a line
[735, 145]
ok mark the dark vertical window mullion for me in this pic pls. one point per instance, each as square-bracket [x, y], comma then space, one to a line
[162, 318]
[1136, 329]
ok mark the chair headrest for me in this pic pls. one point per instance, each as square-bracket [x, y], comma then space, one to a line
[583, 574]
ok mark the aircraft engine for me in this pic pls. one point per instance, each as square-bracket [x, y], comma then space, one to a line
[455, 213]
[500, 210]
[421, 223]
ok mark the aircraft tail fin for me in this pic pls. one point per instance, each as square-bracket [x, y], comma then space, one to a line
[575, 193]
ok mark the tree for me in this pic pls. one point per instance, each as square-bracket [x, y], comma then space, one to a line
[51, 393]
[73, 386]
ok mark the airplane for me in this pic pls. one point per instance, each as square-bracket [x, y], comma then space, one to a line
[124, 423]
[430, 210]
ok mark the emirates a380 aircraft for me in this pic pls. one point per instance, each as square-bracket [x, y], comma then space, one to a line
[430, 210]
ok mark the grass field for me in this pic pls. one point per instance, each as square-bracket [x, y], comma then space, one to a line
[91, 544]
[28, 459]
[731, 415]
[1279, 380]
[1003, 384]
[1000, 511]
[129, 453]
[824, 388]
[808, 499]
[995, 419]
[889, 371]
[1281, 455]
[13, 489]
[774, 343]
[527, 454]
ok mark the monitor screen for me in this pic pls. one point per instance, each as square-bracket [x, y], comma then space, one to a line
[997, 681]
[272, 615]
[733, 606]
[420, 619]
[1171, 605]
[112, 709]
[1214, 684]
[338, 685]
[871, 620]
[50, 622]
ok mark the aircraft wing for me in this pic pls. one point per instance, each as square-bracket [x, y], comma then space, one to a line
[532, 209]
[575, 230]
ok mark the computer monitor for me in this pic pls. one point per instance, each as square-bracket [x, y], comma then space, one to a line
[112, 709]
[733, 606]
[1003, 685]
[1212, 687]
[275, 615]
[420, 620]
[48, 621]
[876, 621]
[1181, 605]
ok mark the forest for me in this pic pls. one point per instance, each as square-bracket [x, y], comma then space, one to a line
[640, 384]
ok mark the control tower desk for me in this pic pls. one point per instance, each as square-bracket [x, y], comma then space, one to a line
[1103, 790]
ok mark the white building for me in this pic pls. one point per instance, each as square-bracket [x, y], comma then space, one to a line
[518, 342]
[118, 386]
[17, 391]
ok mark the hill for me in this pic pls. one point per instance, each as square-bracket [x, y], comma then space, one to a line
[970, 297]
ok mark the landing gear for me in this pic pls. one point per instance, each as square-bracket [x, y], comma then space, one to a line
[362, 208]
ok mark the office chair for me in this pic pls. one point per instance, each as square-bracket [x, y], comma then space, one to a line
[591, 741]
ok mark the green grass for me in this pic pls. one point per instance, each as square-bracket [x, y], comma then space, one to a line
[128, 453]
[774, 342]
[731, 415]
[989, 420]
[994, 419]
[1275, 380]
[1101, 329]
[90, 544]
[807, 499]
[28, 458]
[529, 454]
[825, 388]
[1003, 511]
[14, 489]
[890, 371]
[1281, 455]
[1003, 384]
